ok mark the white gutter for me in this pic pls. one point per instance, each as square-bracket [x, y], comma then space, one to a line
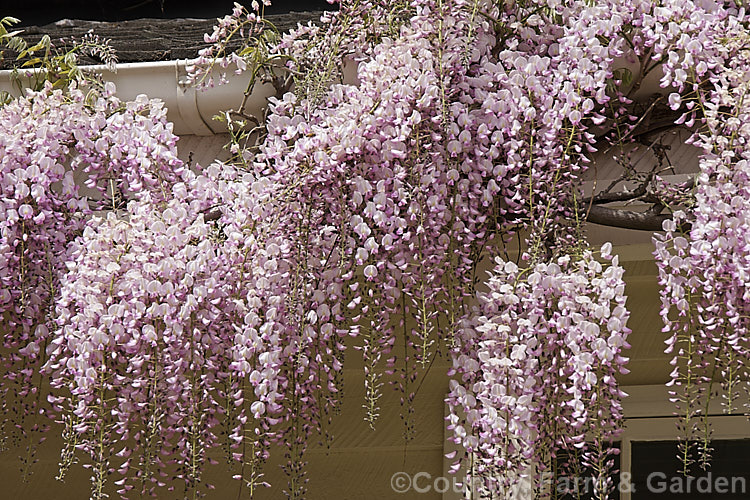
[190, 110]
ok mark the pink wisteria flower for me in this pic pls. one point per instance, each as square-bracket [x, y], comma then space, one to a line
[198, 311]
[535, 375]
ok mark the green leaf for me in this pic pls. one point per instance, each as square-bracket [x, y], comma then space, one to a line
[32, 62]
[11, 34]
[8, 20]
[17, 44]
[69, 59]
[44, 43]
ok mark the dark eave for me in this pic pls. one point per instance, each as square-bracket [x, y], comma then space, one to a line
[142, 40]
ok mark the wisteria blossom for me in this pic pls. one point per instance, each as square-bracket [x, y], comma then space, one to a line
[50, 136]
[537, 369]
[181, 309]
[704, 259]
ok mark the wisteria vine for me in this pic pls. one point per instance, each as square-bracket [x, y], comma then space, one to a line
[703, 257]
[175, 309]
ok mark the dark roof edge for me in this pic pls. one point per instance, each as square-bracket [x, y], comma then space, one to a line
[147, 39]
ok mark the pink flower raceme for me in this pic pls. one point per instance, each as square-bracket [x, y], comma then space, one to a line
[145, 316]
[704, 262]
[48, 136]
[535, 374]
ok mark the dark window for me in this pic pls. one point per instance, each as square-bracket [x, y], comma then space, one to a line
[655, 466]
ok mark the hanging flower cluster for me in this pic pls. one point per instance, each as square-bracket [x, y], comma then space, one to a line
[36, 224]
[37, 221]
[144, 338]
[50, 136]
[704, 262]
[418, 166]
[286, 347]
[132, 154]
[536, 372]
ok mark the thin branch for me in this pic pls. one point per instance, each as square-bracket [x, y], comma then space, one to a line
[650, 220]
[245, 116]
[626, 219]
[640, 193]
[655, 118]
[212, 214]
[626, 195]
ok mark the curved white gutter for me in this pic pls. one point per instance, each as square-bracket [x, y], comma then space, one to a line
[190, 110]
